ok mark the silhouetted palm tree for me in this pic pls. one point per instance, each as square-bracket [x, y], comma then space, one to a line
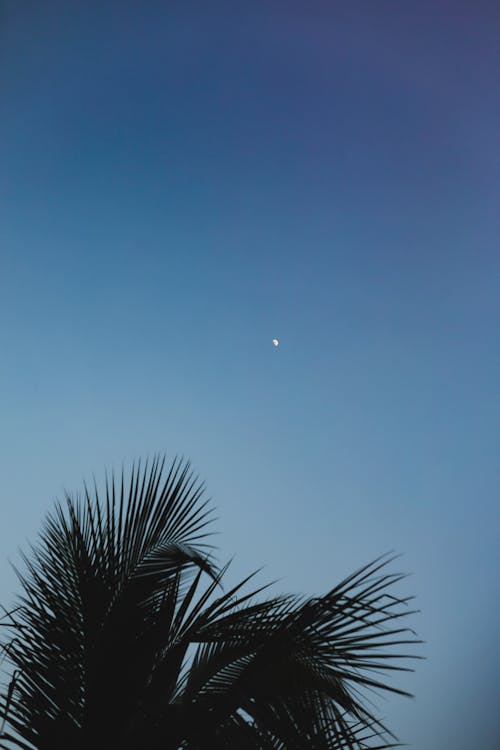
[124, 638]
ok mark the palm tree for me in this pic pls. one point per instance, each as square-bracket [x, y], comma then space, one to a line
[124, 637]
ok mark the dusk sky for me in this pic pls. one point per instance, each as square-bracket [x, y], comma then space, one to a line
[181, 182]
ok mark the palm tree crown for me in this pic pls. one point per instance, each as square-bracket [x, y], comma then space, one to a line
[124, 637]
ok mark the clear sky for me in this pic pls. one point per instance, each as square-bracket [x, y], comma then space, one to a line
[183, 181]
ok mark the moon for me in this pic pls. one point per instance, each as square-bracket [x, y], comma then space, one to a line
[275, 342]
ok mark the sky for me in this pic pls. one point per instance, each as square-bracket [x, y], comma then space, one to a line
[182, 182]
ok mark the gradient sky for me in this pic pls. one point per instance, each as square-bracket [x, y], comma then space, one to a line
[183, 181]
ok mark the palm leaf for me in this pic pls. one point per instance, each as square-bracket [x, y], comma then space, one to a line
[123, 636]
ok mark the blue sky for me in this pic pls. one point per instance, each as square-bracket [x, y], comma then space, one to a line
[180, 184]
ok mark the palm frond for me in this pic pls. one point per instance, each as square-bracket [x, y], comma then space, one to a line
[123, 636]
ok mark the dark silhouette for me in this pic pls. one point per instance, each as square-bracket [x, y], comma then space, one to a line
[124, 637]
